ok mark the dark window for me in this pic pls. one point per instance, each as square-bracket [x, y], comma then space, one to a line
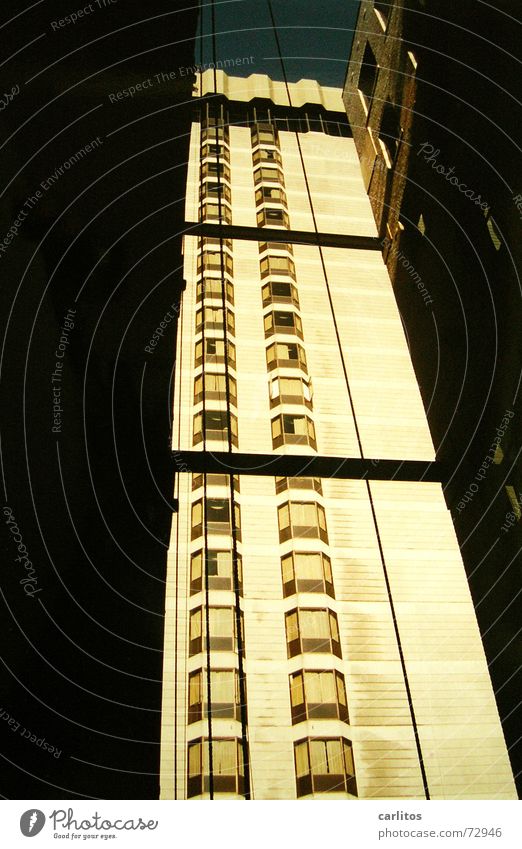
[324, 766]
[312, 630]
[318, 695]
[265, 174]
[307, 572]
[227, 767]
[218, 518]
[390, 131]
[368, 75]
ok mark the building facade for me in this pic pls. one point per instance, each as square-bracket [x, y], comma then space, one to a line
[436, 131]
[320, 638]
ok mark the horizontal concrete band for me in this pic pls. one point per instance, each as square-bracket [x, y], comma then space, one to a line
[296, 237]
[292, 465]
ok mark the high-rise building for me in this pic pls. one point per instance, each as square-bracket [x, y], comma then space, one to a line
[320, 637]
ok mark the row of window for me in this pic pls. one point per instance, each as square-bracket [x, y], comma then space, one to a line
[281, 484]
[301, 572]
[314, 694]
[301, 519]
[287, 428]
[322, 765]
[308, 630]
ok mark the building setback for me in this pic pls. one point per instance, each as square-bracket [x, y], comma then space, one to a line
[320, 638]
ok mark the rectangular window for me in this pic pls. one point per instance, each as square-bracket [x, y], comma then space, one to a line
[223, 636]
[318, 695]
[302, 519]
[220, 571]
[227, 767]
[367, 76]
[324, 766]
[307, 572]
[312, 630]
[289, 429]
[224, 695]
[286, 355]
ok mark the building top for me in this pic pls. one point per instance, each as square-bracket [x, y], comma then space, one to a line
[262, 86]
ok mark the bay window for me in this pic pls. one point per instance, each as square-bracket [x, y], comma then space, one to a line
[312, 630]
[307, 572]
[302, 519]
[227, 767]
[324, 766]
[318, 694]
